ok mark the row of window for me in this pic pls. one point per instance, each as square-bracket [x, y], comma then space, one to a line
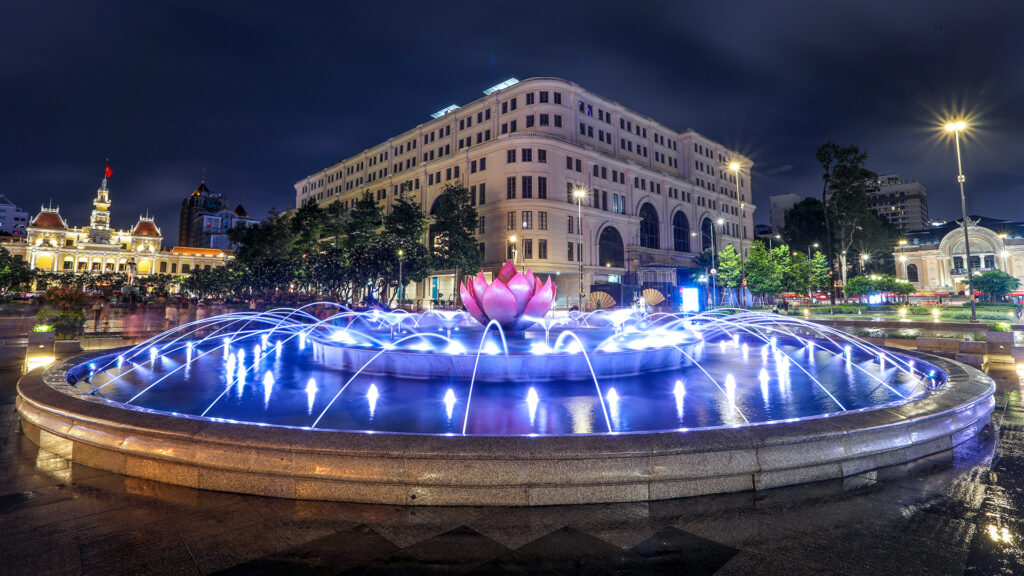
[527, 155]
[527, 187]
[527, 220]
[527, 249]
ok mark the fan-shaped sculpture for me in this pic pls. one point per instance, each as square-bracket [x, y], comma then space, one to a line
[515, 300]
[601, 300]
[653, 297]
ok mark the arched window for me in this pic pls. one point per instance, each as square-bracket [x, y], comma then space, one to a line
[706, 235]
[912, 272]
[609, 248]
[649, 237]
[680, 232]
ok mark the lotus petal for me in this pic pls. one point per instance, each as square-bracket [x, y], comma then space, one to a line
[522, 290]
[541, 301]
[479, 286]
[471, 304]
[508, 271]
[530, 280]
[499, 304]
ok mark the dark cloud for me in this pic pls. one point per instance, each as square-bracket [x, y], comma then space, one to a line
[261, 94]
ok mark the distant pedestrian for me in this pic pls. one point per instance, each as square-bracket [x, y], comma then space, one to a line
[97, 310]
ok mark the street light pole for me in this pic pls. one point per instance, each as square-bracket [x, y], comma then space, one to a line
[955, 128]
[735, 168]
[401, 287]
[579, 193]
[810, 275]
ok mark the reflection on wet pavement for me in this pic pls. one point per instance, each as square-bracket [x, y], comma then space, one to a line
[958, 512]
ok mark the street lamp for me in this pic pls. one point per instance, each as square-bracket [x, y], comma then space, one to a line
[401, 287]
[579, 193]
[734, 167]
[956, 128]
[512, 240]
[777, 237]
[810, 275]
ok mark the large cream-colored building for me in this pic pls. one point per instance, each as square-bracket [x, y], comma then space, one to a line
[52, 245]
[655, 197]
[935, 260]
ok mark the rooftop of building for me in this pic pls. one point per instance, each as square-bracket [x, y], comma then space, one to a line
[936, 233]
[49, 218]
[146, 227]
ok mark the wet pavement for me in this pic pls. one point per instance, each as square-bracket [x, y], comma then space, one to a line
[959, 512]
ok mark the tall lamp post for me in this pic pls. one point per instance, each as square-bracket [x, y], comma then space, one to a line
[579, 193]
[810, 276]
[512, 240]
[734, 167]
[714, 247]
[401, 287]
[956, 128]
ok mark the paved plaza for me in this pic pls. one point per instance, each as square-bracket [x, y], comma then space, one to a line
[957, 512]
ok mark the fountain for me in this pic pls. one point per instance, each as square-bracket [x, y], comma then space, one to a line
[503, 403]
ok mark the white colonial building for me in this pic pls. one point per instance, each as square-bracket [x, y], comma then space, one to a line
[654, 197]
[935, 260]
[52, 245]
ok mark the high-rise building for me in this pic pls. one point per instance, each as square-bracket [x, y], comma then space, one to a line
[654, 197]
[780, 204]
[901, 202]
[13, 219]
[199, 202]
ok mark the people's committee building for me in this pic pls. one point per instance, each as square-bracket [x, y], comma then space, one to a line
[935, 260]
[655, 197]
[52, 245]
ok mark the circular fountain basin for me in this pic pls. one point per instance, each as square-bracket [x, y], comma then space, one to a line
[747, 413]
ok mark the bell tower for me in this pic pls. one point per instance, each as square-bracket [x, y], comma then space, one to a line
[99, 222]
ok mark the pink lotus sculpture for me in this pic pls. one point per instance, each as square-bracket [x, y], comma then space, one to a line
[511, 300]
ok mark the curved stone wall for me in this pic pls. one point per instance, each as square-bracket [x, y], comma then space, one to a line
[493, 470]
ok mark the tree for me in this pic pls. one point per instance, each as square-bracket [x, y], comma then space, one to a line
[14, 273]
[995, 284]
[804, 225]
[220, 281]
[452, 234]
[820, 273]
[844, 194]
[729, 267]
[404, 227]
[796, 271]
[264, 255]
[764, 274]
[859, 286]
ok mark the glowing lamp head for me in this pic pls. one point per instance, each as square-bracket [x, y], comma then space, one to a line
[955, 126]
[512, 239]
[401, 253]
[734, 166]
[721, 221]
[579, 193]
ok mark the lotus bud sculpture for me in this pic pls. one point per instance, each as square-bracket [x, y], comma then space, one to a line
[515, 300]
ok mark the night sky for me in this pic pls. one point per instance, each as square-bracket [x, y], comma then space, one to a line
[263, 94]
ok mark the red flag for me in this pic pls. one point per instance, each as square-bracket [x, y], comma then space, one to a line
[109, 172]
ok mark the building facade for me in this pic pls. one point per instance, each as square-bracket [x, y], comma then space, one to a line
[779, 205]
[13, 220]
[934, 260]
[52, 245]
[654, 197]
[902, 202]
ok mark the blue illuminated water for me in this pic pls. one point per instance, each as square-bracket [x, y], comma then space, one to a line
[735, 381]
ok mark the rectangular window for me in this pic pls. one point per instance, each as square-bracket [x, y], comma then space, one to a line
[504, 128]
[558, 97]
[527, 154]
[569, 253]
[583, 128]
[544, 97]
[472, 195]
[510, 156]
[527, 219]
[542, 187]
[579, 252]
[568, 162]
[512, 126]
[448, 174]
[174, 268]
[579, 165]
[508, 251]
[604, 200]
[527, 186]
[529, 121]
[528, 248]
[481, 247]
[544, 120]
[483, 164]
[483, 194]
[472, 167]
[542, 220]
[510, 220]
[487, 114]
[569, 226]
[529, 98]
[513, 106]
[480, 225]
[542, 249]
[542, 156]
[510, 188]
[558, 120]
[504, 107]
[163, 267]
